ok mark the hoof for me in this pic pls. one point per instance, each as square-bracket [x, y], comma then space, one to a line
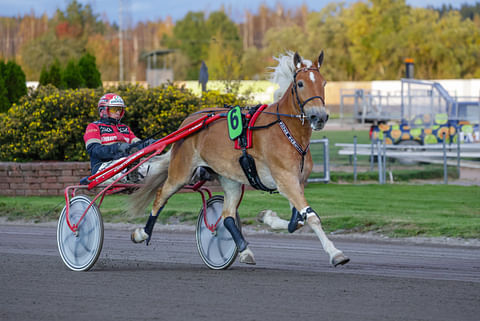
[246, 256]
[139, 235]
[339, 259]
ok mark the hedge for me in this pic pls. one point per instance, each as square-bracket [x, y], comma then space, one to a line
[48, 123]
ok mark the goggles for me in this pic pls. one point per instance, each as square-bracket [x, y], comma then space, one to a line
[115, 109]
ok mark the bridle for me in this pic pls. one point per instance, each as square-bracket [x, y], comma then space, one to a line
[295, 93]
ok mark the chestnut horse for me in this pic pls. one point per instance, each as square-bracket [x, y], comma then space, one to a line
[280, 151]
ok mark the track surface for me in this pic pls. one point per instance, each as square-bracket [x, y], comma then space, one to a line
[291, 281]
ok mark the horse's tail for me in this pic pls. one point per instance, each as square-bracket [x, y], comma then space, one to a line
[145, 194]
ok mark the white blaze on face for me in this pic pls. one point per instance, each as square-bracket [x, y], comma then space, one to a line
[312, 77]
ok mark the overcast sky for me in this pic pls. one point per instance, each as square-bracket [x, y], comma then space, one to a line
[143, 10]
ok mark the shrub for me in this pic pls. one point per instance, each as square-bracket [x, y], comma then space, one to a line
[48, 123]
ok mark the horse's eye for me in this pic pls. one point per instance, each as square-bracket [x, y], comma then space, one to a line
[300, 84]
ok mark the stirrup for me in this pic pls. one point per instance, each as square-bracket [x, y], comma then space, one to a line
[296, 221]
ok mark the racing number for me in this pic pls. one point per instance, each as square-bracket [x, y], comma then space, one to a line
[234, 118]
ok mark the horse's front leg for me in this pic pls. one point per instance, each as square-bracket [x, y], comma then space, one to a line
[233, 193]
[293, 190]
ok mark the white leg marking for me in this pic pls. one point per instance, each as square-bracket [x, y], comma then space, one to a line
[316, 226]
[139, 235]
[271, 219]
[246, 256]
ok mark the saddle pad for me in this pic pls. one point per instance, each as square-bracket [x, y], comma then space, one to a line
[248, 132]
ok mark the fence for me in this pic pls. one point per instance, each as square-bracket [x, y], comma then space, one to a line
[459, 155]
[321, 160]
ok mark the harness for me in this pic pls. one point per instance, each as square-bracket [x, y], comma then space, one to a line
[244, 141]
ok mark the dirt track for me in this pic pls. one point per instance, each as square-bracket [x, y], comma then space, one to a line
[292, 280]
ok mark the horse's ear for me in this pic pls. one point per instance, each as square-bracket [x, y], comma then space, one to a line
[297, 61]
[320, 60]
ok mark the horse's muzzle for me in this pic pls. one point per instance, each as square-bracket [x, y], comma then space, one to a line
[318, 119]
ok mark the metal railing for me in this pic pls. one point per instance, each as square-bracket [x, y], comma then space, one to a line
[416, 98]
[326, 161]
[446, 154]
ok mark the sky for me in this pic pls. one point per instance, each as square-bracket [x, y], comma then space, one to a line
[143, 10]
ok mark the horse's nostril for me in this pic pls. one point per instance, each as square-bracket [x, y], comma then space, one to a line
[326, 118]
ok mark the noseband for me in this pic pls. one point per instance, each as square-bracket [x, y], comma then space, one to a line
[295, 93]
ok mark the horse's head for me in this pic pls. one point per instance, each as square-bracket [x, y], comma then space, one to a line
[309, 90]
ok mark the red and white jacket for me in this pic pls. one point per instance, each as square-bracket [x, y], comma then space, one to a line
[102, 139]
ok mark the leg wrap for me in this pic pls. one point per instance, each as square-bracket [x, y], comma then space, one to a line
[237, 236]
[307, 212]
[150, 224]
[296, 221]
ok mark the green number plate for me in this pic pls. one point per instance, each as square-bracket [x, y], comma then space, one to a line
[235, 127]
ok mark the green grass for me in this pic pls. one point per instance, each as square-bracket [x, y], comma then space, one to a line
[396, 210]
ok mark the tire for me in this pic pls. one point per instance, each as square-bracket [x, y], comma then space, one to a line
[217, 250]
[80, 252]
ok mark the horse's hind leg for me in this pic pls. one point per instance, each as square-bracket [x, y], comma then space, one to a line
[176, 179]
[233, 193]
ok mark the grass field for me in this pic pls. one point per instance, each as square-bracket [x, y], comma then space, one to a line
[395, 210]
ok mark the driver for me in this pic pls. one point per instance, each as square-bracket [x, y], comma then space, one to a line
[107, 139]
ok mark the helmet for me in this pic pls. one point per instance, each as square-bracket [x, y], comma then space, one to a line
[111, 100]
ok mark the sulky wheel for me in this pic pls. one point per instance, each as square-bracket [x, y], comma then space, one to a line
[217, 249]
[80, 251]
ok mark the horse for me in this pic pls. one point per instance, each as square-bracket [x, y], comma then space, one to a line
[279, 150]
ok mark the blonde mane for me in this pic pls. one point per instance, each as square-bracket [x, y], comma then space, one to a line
[283, 73]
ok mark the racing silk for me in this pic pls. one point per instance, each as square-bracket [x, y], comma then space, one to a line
[102, 139]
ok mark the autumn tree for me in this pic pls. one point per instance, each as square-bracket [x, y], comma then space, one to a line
[66, 38]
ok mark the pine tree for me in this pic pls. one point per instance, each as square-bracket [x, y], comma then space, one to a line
[44, 77]
[55, 75]
[4, 103]
[15, 82]
[72, 76]
[88, 70]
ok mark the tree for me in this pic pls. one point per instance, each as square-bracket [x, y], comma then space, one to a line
[72, 76]
[15, 83]
[55, 75]
[4, 103]
[223, 61]
[88, 69]
[191, 37]
[44, 77]
[66, 38]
